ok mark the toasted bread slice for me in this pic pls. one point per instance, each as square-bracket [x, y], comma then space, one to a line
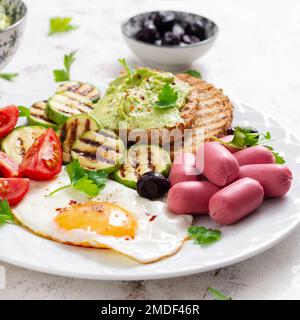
[207, 111]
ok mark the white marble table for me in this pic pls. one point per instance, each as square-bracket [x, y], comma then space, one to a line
[256, 60]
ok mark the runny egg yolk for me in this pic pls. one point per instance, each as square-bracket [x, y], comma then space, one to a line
[104, 218]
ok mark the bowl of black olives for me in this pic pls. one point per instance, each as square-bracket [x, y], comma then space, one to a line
[169, 38]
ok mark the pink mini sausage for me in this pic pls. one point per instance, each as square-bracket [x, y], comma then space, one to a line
[276, 179]
[191, 197]
[218, 164]
[184, 169]
[236, 201]
[229, 148]
[254, 155]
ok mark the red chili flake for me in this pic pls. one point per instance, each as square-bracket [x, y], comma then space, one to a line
[58, 209]
[71, 202]
[152, 218]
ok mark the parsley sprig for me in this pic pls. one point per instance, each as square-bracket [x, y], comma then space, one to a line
[217, 294]
[8, 76]
[245, 137]
[60, 25]
[6, 215]
[202, 235]
[193, 73]
[23, 111]
[88, 182]
[64, 74]
[167, 97]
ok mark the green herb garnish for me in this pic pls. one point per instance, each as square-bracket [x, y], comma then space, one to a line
[167, 97]
[64, 74]
[88, 182]
[193, 73]
[202, 235]
[217, 294]
[60, 25]
[23, 111]
[8, 76]
[6, 215]
[245, 137]
[126, 66]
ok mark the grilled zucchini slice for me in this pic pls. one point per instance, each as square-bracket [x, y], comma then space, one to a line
[72, 129]
[142, 158]
[102, 150]
[16, 143]
[84, 89]
[70, 100]
[38, 115]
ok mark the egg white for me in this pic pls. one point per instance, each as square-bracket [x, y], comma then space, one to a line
[154, 239]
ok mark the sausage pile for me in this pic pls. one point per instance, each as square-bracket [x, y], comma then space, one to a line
[226, 183]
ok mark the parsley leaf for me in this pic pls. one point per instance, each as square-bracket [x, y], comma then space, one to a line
[8, 76]
[88, 182]
[23, 111]
[247, 137]
[167, 97]
[125, 66]
[217, 294]
[61, 24]
[86, 185]
[64, 74]
[202, 235]
[6, 215]
[193, 73]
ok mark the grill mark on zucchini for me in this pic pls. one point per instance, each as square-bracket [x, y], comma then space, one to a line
[73, 131]
[93, 156]
[87, 126]
[63, 132]
[39, 116]
[100, 145]
[151, 166]
[80, 103]
[21, 148]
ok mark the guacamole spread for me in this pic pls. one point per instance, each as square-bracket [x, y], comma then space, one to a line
[132, 99]
[5, 20]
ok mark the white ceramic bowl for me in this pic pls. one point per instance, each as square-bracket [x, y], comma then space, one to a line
[10, 37]
[172, 56]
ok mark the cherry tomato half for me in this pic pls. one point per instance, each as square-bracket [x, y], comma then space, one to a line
[8, 167]
[13, 189]
[8, 119]
[43, 160]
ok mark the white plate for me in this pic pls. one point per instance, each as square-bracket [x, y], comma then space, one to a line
[272, 222]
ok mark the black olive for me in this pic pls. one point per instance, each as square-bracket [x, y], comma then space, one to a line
[147, 35]
[170, 38]
[230, 131]
[188, 39]
[178, 30]
[152, 185]
[196, 29]
[164, 21]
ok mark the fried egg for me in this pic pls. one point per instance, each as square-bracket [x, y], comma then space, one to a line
[118, 219]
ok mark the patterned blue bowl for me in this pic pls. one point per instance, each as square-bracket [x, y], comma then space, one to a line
[10, 37]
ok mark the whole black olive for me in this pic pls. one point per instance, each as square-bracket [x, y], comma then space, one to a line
[169, 38]
[147, 35]
[164, 21]
[188, 39]
[230, 131]
[152, 185]
[196, 29]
